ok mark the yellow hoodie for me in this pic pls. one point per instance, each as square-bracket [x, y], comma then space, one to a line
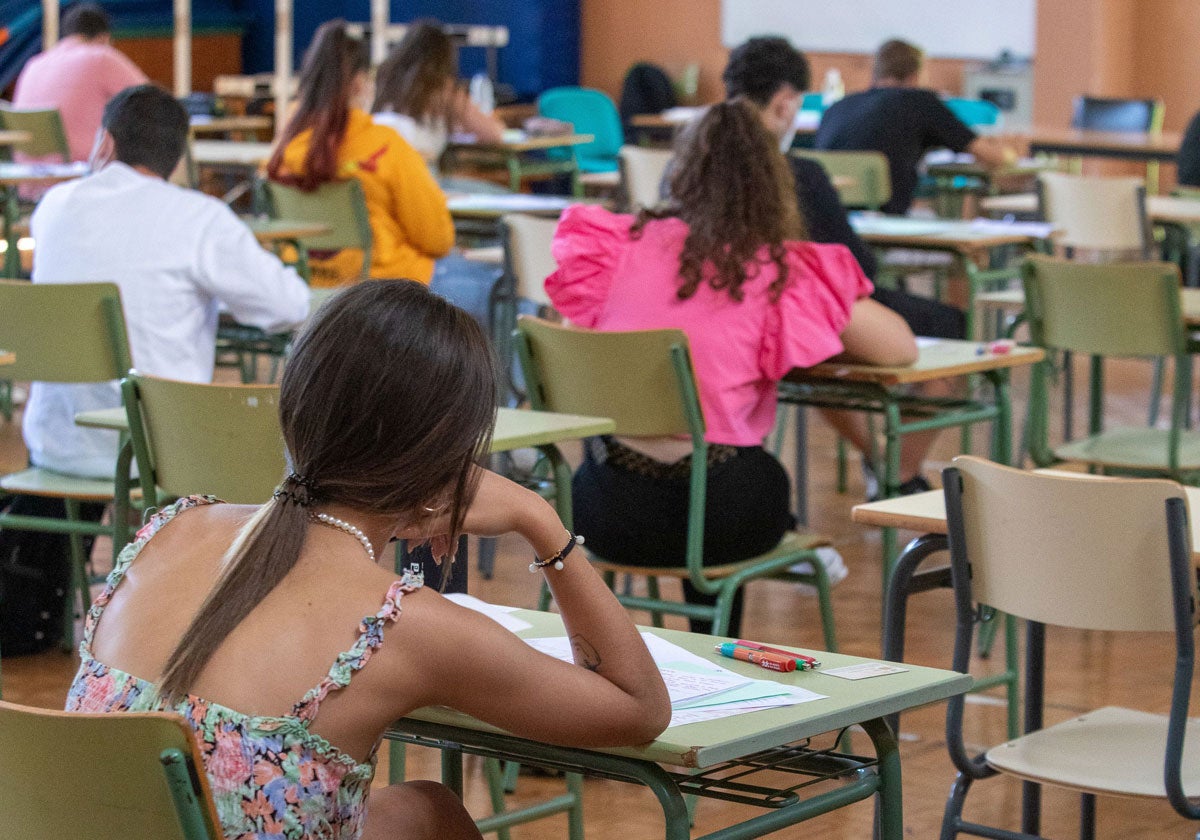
[410, 225]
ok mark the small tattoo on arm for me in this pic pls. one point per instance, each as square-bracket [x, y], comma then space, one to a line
[585, 655]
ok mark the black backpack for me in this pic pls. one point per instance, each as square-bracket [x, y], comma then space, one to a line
[35, 571]
[646, 90]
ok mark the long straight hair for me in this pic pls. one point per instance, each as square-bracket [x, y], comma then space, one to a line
[416, 76]
[322, 106]
[386, 405]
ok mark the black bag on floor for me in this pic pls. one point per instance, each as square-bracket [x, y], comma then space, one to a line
[35, 570]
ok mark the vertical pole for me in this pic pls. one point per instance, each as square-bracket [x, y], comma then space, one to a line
[283, 61]
[380, 18]
[183, 47]
[49, 23]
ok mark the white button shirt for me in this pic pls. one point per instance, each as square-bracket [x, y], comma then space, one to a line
[177, 255]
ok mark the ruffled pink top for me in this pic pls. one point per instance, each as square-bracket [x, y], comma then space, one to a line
[608, 281]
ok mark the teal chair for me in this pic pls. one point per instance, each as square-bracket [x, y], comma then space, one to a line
[102, 776]
[644, 381]
[591, 112]
[974, 112]
[813, 102]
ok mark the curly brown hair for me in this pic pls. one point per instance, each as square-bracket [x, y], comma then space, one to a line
[735, 192]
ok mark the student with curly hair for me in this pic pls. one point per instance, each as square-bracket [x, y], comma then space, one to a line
[727, 262]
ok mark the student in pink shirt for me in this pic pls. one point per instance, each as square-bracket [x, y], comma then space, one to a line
[726, 262]
[78, 76]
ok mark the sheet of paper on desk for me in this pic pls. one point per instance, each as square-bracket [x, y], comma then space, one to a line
[516, 202]
[791, 696]
[863, 670]
[498, 614]
[686, 680]
[1037, 230]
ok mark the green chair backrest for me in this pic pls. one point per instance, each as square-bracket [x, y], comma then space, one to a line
[867, 179]
[341, 205]
[102, 776]
[1112, 309]
[642, 380]
[222, 440]
[47, 136]
[63, 332]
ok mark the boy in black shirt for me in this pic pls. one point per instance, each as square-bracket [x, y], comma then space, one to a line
[903, 122]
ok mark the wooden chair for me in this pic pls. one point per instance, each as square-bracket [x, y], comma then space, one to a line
[68, 333]
[1119, 310]
[103, 776]
[865, 180]
[642, 171]
[1094, 214]
[1094, 555]
[644, 381]
[219, 440]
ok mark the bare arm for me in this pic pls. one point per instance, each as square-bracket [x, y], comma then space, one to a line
[876, 335]
[487, 128]
[612, 695]
[992, 152]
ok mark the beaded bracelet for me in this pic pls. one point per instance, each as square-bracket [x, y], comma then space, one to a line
[557, 559]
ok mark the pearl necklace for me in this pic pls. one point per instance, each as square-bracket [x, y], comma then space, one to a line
[346, 527]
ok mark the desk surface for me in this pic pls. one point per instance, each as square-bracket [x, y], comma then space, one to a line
[708, 743]
[937, 358]
[1160, 208]
[940, 234]
[220, 125]
[13, 174]
[525, 144]
[489, 206]
[926, 512]
[274, 230]
[1136, 145]
[230, 153]
[515, 428]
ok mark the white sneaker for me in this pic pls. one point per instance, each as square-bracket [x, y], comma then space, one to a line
[835, 568]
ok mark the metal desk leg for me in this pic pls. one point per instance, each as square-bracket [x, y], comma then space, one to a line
[890, 811]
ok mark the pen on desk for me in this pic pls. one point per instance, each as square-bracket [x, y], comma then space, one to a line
[770, 661]
[810, 661]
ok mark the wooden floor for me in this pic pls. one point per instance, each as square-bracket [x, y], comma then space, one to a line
[1093, 669]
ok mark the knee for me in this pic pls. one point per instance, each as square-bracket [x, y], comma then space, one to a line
[417, 810]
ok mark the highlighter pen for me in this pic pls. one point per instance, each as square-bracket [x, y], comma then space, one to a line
[770, 661]
[801, 659]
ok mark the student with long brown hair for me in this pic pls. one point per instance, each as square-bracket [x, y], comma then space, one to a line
[329, 137]
[727, 263]
[249, 621]
[417, 92]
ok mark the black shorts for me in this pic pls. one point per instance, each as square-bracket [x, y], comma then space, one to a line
[923, 315]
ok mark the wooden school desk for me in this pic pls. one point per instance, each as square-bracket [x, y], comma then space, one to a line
[1143, 147]
[884, 390]
[521, 156]
[774, 741]
[969, 242]
[231, 125]
[9, 138]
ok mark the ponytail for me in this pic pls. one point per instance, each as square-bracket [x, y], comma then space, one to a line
[265, 550]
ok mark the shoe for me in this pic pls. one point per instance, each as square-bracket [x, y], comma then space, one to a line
[870, 481]
[916, 484]
[835, 568]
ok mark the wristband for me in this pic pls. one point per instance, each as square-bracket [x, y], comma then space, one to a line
[557, 560]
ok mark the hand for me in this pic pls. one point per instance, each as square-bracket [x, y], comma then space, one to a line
[500, 507]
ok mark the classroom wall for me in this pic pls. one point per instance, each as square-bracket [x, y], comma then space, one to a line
[1103, 47]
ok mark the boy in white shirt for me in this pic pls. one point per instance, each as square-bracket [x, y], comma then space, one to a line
[176, 254]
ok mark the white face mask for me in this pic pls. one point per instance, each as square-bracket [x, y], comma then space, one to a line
[101, 154]
[785, 142]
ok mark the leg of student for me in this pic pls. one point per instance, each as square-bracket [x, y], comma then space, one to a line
[417, 810]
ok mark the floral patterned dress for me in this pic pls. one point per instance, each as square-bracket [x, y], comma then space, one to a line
[272, 778]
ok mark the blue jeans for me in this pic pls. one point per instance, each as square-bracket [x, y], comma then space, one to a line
[466, 284]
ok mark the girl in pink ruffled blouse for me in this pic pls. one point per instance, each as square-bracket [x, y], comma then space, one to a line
[727, 263]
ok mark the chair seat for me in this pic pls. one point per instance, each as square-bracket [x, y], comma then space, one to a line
[793, 542]
[1132, 448]
[36, 481]
[1108, 751]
